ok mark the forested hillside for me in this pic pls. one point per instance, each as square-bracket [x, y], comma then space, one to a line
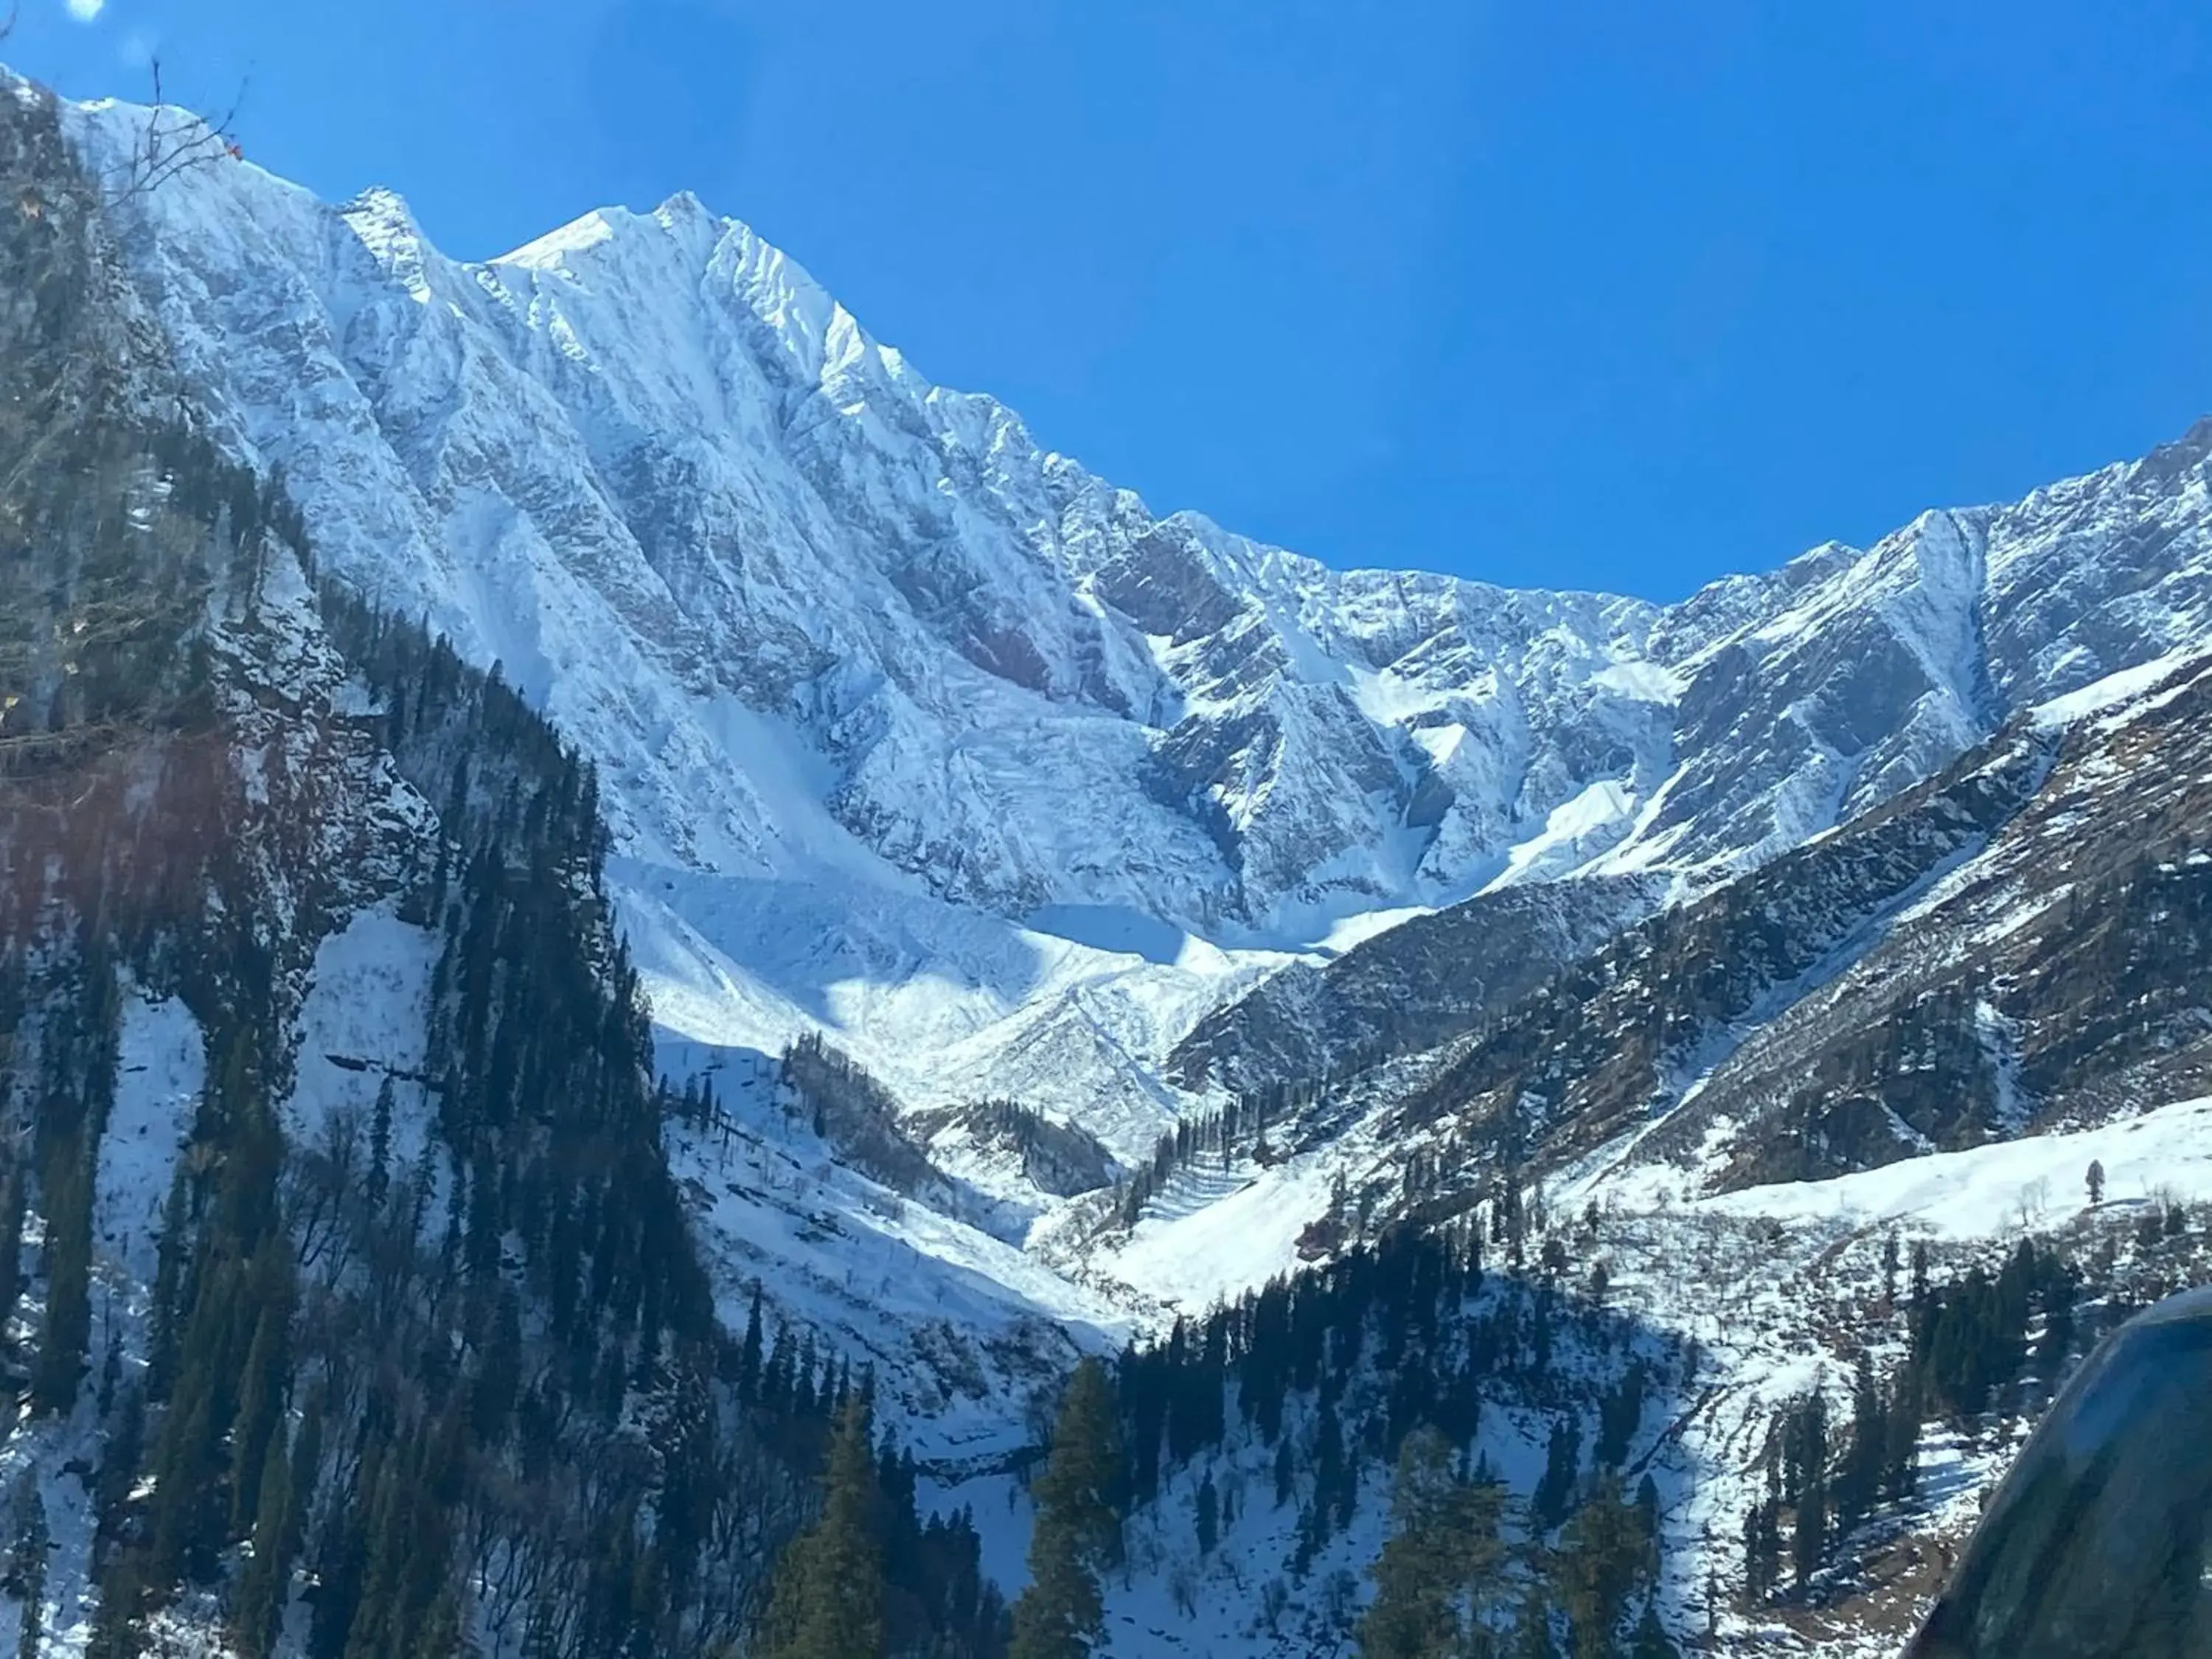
[437, 1378]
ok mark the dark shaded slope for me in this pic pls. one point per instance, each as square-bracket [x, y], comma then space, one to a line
[1418, 985]
[2021, 943]
[1600, 1048]
[2057, 981]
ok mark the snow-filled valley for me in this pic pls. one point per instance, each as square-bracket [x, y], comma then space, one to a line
[1062, 922]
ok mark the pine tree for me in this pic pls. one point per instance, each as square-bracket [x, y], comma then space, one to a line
[1532, 1631]
[1762, 1549]
[12, 1204]
[1901, 1440]
[1078, 1527]
[125, 1443]
[301, 1466]
[1062, 1613]
[1809, 1543]
[115, 1624]
[111, 1364]
[259, 1607]
[749, 1355]
[378, 1181]
[261, 1387]
[1443, 1561]
[32, 1635]
[2096, 1181]
[1562, 1466]
[26, 1560]
[1605, 1554]
[1649, 1639]
[1806, 1445]
[67, 1328]
[173, 1253]
[827, 1602]
[1858, 1485]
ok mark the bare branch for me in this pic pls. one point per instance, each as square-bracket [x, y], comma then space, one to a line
[176, 141]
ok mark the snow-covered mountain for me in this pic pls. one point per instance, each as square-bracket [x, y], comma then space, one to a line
[1027, 769]
[912, 732]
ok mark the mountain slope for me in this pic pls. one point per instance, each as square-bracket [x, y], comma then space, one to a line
[908, 730]
[821, 621]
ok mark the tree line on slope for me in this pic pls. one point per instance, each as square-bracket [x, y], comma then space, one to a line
[471, 1396]
[1983, 1349]
[1386, 1354]
[467, 1393]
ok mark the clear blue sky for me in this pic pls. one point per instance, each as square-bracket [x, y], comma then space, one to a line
[1609, 293]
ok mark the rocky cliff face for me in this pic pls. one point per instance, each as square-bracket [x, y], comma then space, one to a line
[814, 612]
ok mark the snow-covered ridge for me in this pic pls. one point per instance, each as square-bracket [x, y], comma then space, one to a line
[828, 627]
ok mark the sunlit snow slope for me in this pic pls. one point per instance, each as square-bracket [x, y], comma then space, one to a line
[912, 729]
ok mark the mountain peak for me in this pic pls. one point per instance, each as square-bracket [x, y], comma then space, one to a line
[685, 492]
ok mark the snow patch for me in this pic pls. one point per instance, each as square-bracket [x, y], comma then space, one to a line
[365, 1019]
[1981, 1193]
[161, 1069]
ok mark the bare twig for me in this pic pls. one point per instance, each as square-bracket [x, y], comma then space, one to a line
[176, 141]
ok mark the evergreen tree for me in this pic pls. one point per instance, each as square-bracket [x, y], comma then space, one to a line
[1649, 1639]
[258, 1606]
[261, 1387]
[1532, 1631]
[749, 1354]
[1442, 1566]
[12, 1205]
[67, 1330]
[1762, 1549]
[1901, 1438]
[1805, 1443]
[32, 1637]
[1555, 1488]
[124, 1445]
[1060, 1613]
[172, 1252]
[1078, 1527]
[111, 1364]
[1809, 1541]
[1620, 1412]
[2096, 1181]
[27, 1532]
[28, 1544]
[1858, 1484]
[378, 1181]
[115, 1624]
[1605, 1555]
[827, 1598]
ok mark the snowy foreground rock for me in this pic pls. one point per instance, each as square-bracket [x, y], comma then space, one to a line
[915, 737]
